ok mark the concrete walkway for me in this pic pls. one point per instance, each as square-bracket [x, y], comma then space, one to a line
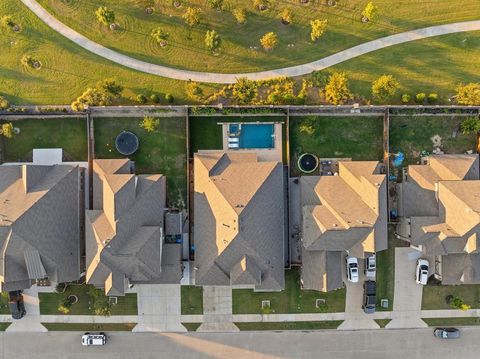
[217, 310]
[185, 75]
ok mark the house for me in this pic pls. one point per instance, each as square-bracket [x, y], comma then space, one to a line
[239, 221]
[345, 213]
[41, 224]
[440, 215]
[125, 242]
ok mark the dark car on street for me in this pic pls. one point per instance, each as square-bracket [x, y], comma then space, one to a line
[447, 333]
[15, 303]
[369, 296]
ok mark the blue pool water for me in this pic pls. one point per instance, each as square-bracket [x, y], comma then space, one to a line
[257, 136]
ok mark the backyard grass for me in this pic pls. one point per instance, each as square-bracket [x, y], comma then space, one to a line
[186, 48]
[291, 300]
[4, 326]
[4, 303]
[359, 138]
[192, 299]
[382, 322]
[49, 302]
[412, 135]
[162, 151]
[191, 327]
[85, 327]
[434, 295]
[448, 322]
[329, 324]
[385, 275]
[67, 133]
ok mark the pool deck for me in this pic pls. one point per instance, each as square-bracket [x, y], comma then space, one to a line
[264, 154]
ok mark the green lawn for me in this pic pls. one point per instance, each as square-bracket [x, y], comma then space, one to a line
[191, 327]
[330, 324]
[67, 133]
[85, 327]
[382, 322]
[192, 299]
[49, 302]
[359, 138]
[4, 326]
[163, 151]
[447, 322]
[4, 303]
[385, 275]
[186, 48]
[291, 300]
[411, 135]
[434, 295]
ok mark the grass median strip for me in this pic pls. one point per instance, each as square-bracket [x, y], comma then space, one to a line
[4, 326]
[382, 322]
[191, 327]
[84, 327]
[330, 324]
[461, 321]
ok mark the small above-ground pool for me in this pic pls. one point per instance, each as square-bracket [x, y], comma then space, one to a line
[307, 163]
[126, 143]
[251, 135]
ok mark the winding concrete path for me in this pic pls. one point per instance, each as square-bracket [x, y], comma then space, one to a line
[178, 74]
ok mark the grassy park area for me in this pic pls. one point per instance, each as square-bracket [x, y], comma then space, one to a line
[70, 134]
[291, 300]
[162, 151]
[412, 135]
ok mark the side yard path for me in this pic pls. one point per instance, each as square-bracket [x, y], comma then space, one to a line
[298, 70]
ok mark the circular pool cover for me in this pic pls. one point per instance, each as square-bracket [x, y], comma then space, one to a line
[308, 163]
[126, 143]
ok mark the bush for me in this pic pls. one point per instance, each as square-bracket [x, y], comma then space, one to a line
[384, 87]
[244, 91]
[215, 4]
[470, 125]
[468, 94]
[432, 98]
[336, 90]
[149, 124]
[240, 15]
[192, 16]
[60, 287]
[318, 28]
[169, 98]
[105, 15]
[260, 4]
[4, 104]
[194, 91]
[269, 41]
[6, 130]
[212, 40]
[370, 12]
[155, 98]
[101, 304]
[457, 303]
[307, 129]
[286, 16]
[406, 98]
[110, 86]
[29, 61]
[420, 97]
[7, 21]
[92, 97]
[159, 35]
[142, 99]
[63, 309]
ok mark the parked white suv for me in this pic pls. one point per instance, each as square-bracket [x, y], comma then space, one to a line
[421, 273]
[89, 339]
[352, 269]
[370, 266]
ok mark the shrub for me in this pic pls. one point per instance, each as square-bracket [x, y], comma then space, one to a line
[318, 28]
[169, 98]
[60, 287]
[432, 98]
[149, 124]
[4, 103]
[92, 97]
[468, 94]
[470, 125]
[384, 87]
[191, 16]
[215, 4]
[101, 304]
[457, 303]
[28, 61]
[240, 15]
[142, 99]
[7, 130]
[336, 90]
[406, 98]
[269, 41]
[286, 16]
[155, 98]
[212, 40]
[194, 91]
[63, 309]
[370, 12]
[110, 86]
[260, 4]
[158, 35]
[244, 91]
[105, 15]
[307, 129]
[420, 97]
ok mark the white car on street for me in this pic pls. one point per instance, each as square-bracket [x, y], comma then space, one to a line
[352, 269]
[421, 273]
[89, 339]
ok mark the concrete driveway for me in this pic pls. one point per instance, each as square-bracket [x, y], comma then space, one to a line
[31, 321]
[217, 310]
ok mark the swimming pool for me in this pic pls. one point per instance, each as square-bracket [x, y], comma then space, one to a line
[256, 135]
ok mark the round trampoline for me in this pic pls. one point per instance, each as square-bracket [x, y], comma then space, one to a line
[126, 143]
[307, 163]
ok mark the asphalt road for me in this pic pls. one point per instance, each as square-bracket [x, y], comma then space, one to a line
[384, 344]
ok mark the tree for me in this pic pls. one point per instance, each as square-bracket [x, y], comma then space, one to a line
[92, 97]
[105, 15]
[142, 99]
[336, 90]
[7, 130]
[287, 16]
[159, 35]
[212, 40]
[240, 15]
[194, 91]
[468, 94]
[384, 87]
[269, 41]
[406, 98]
[244, 91]
[110, 86]
[169, 98]
[4, 103]
[215, 4]
[149, 124]
[155, 98]
[318, 28]
[432, 98]
[470, 125]
[370, 12]
[420, 97]
[192, 16]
